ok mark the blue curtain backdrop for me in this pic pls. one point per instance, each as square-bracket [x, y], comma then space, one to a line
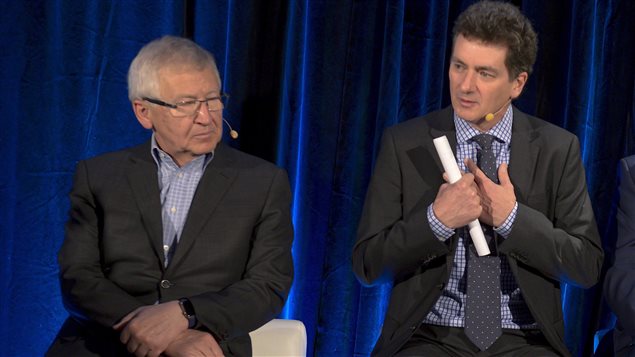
[313, 85]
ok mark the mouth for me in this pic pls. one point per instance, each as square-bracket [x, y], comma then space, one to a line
[466, 102]
[203, 136]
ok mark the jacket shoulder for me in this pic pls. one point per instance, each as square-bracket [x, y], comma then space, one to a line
[544, 128]
[243, 161]
[437, 119]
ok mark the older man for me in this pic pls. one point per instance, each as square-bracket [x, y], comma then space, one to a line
[179, 245]
[528, 192]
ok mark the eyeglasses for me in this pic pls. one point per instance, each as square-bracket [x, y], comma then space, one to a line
[190, 107]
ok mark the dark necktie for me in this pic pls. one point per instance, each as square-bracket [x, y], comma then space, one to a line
[483, 310]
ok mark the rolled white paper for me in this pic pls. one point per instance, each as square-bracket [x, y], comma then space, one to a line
[452, 170]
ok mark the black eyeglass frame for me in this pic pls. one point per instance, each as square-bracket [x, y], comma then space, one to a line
[223, 98]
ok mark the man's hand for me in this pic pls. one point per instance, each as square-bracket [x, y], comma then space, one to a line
[497, 200]
[193, 343]
[458, 203]
[148, 330]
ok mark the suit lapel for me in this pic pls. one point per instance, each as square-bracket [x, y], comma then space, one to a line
[144, 182]
[439, 125]
[422, 155]
[216, 180]
[524, 155]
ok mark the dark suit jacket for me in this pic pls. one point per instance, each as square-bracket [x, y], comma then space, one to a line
[233, 260]
[554, 238]
[619, 284]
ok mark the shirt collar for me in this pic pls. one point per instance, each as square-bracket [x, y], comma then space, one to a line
[502, 131]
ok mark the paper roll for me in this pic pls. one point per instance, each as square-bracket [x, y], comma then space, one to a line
[454, 174]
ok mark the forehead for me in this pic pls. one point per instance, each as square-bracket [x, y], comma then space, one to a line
[187, 81]
[477, 53]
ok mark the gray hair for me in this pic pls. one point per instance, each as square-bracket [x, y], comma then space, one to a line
[167, 51]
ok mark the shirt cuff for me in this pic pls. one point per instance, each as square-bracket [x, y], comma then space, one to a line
[440, 230]
[505, 229]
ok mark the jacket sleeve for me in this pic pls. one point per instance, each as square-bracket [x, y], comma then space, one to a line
[393, 238]
[261, 293]
[619, 284]
[556, 233]
[87, 292]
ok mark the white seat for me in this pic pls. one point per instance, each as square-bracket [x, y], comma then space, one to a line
[279, 338]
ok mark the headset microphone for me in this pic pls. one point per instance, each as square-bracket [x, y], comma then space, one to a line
[490, 116]
[233, 133]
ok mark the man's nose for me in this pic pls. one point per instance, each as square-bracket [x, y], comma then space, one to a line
[468, 81]
[204, 115]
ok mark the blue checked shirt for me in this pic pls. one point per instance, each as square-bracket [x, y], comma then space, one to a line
[177, 186]
[449, 310]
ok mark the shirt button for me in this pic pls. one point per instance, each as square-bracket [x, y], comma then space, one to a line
[173, 209]
[166, 284]
[180, 174]
[166, 247]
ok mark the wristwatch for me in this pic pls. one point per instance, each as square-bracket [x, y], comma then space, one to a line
[188, 311]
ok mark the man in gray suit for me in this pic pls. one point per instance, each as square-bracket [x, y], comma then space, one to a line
[181, 245]
[531, 200]
[619, 284]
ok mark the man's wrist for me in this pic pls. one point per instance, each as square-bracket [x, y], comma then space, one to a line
[505, 228]
[187, 309]
[440, 230]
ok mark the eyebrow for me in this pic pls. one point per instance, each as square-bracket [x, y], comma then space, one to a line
[487, 69]
[210, 94]
[478, 68]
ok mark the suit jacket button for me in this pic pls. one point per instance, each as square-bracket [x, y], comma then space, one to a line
[166, 284]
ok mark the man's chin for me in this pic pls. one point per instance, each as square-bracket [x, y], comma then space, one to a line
[206, 148]
[474, 118]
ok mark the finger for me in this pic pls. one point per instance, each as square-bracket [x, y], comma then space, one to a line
[503, 175]
[132, 346]
[217, 351]
[153, 353]
[471, 166]
[125, 336]
[124, 321]
[446, 178]
[142, 351]
[479, 175]
[468, 177]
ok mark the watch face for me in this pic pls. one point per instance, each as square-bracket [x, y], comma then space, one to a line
[188, 311]
[187, 308]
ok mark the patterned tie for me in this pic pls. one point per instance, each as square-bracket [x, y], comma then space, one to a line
[483, 310]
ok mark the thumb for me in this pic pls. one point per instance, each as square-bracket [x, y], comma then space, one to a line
[503, 175]
[446, 178]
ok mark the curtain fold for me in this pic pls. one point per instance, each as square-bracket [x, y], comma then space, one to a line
[312, 84]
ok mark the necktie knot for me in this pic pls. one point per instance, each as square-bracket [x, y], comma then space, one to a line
[485, 158]
[484, 141]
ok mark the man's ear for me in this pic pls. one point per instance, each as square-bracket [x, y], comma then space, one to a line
[141, 111]
[518, 84]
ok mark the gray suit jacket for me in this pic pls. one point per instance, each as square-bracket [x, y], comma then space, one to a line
[619, 284]
[233, 260]
[554, 238]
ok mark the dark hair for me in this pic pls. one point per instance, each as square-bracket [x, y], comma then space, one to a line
[501, 23]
